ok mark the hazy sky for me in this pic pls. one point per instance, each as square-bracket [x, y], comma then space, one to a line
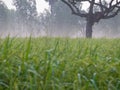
[41, 5]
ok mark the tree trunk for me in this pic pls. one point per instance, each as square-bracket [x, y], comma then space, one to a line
[89, 25]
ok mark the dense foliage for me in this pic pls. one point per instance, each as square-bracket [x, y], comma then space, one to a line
[59, 64]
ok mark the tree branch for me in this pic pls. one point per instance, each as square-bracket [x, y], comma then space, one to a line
[107, 9]
[75, 10]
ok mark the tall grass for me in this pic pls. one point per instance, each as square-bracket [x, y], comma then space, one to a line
[59, 64]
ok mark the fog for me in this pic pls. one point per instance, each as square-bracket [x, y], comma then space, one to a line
[98, 32]
[57, 23]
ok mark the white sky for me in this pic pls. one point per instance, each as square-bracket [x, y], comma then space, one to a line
[41, 5]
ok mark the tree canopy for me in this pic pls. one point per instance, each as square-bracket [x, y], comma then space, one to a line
[3, 15]
[97, 10]
[26, 8]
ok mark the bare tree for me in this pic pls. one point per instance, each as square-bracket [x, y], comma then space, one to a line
[97, 10]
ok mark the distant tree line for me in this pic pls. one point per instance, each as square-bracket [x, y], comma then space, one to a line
[57, 21]
[24, 18]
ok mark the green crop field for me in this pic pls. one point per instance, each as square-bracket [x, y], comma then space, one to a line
[59, 64]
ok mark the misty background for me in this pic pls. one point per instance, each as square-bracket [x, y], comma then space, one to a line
[57, 21]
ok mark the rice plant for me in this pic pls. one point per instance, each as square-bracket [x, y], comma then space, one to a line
[59, 64]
